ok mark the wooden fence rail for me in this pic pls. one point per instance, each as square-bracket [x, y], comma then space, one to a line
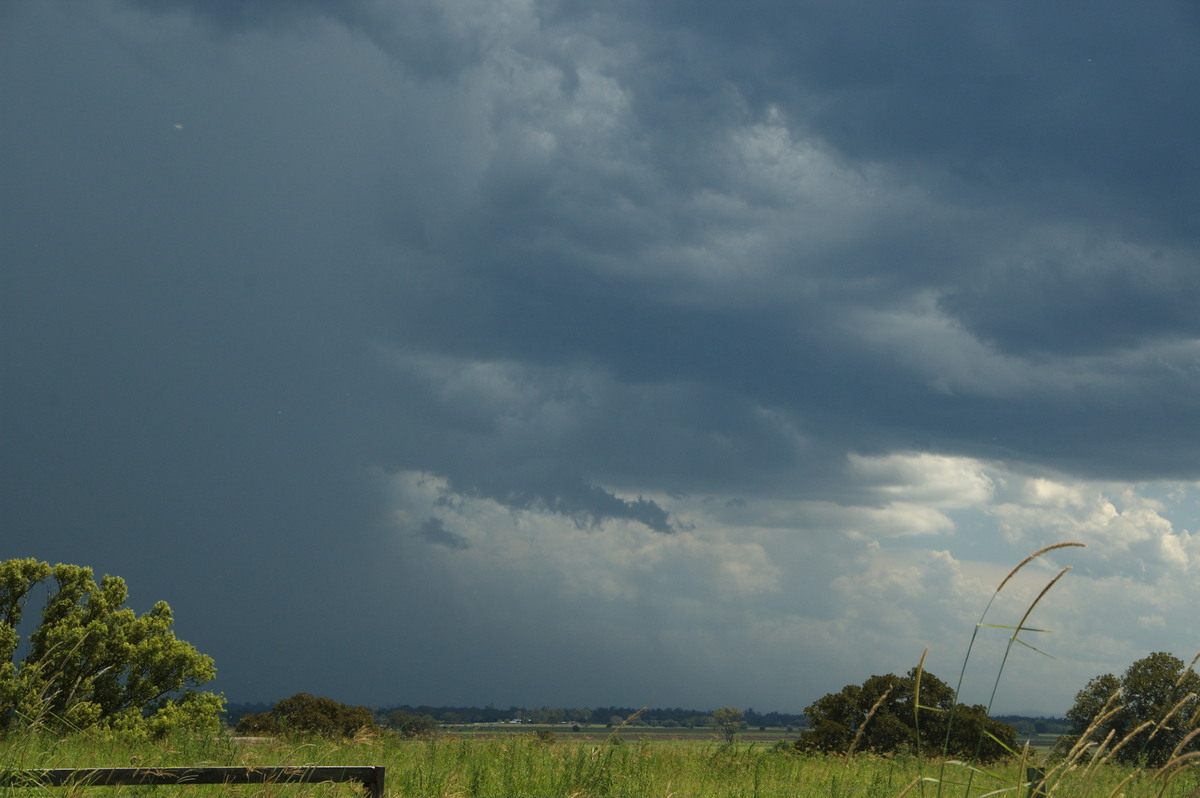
[369, 776]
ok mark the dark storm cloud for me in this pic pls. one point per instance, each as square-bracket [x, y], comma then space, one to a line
[1000, 111]
[419, 34]
[570, 258]
[1001, 114]
[1060, 113]
[1076, 302]
[1027, 98]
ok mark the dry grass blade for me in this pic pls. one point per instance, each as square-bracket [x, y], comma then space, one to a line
[863, 726]
[917, 718]
[1034, 556]
[980, 624]
[1190, 666]
[613, 735]
[1022, 764]
[1040, 596]
[917, 699]
[1108, 756]
[1084, 745]
[1019, 627]
[1097, 756]
[1173, 768]
[1178, 761]
[1162, 724]
[1177, 752]
[1017, 630]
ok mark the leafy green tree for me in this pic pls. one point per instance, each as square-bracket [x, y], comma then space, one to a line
[728, 722]
[879, 716]
[1149, 710]
[308, 715]
[94, 662]
[411, 725]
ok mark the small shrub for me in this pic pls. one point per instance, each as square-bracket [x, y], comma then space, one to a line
[308, 715]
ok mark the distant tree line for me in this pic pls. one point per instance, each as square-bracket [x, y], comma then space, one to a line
[400, 715]
[606, 716]
[1148, 715]
[305, 715]
[593, 716]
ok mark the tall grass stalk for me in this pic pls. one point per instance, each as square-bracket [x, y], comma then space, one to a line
[981, 623]
[917, 719]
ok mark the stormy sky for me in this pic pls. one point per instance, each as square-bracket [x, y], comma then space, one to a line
[545, 352]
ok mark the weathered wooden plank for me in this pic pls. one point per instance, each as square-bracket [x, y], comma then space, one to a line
[371, 777]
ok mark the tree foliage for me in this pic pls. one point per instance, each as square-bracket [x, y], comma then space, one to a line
[879, 716]
[411, 725]
[94, 662]
[308, 715]
[1152, 706]
[728, 721]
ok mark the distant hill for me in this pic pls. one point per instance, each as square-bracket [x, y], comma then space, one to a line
[1026, 725]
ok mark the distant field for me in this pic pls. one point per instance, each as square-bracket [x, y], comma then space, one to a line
[597, 732]
[1041, 743]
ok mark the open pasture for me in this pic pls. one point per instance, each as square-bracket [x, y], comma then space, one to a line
[456, 765]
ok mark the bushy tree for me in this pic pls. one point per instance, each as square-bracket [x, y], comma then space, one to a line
[258, 724]
[304, 714]
[1152, 707]
[878, 716]
[728, 721]
[94, 662]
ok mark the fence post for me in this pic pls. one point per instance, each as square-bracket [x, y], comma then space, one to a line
[375, 788]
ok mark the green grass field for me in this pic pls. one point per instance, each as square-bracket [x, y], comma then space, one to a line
[640, 762]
